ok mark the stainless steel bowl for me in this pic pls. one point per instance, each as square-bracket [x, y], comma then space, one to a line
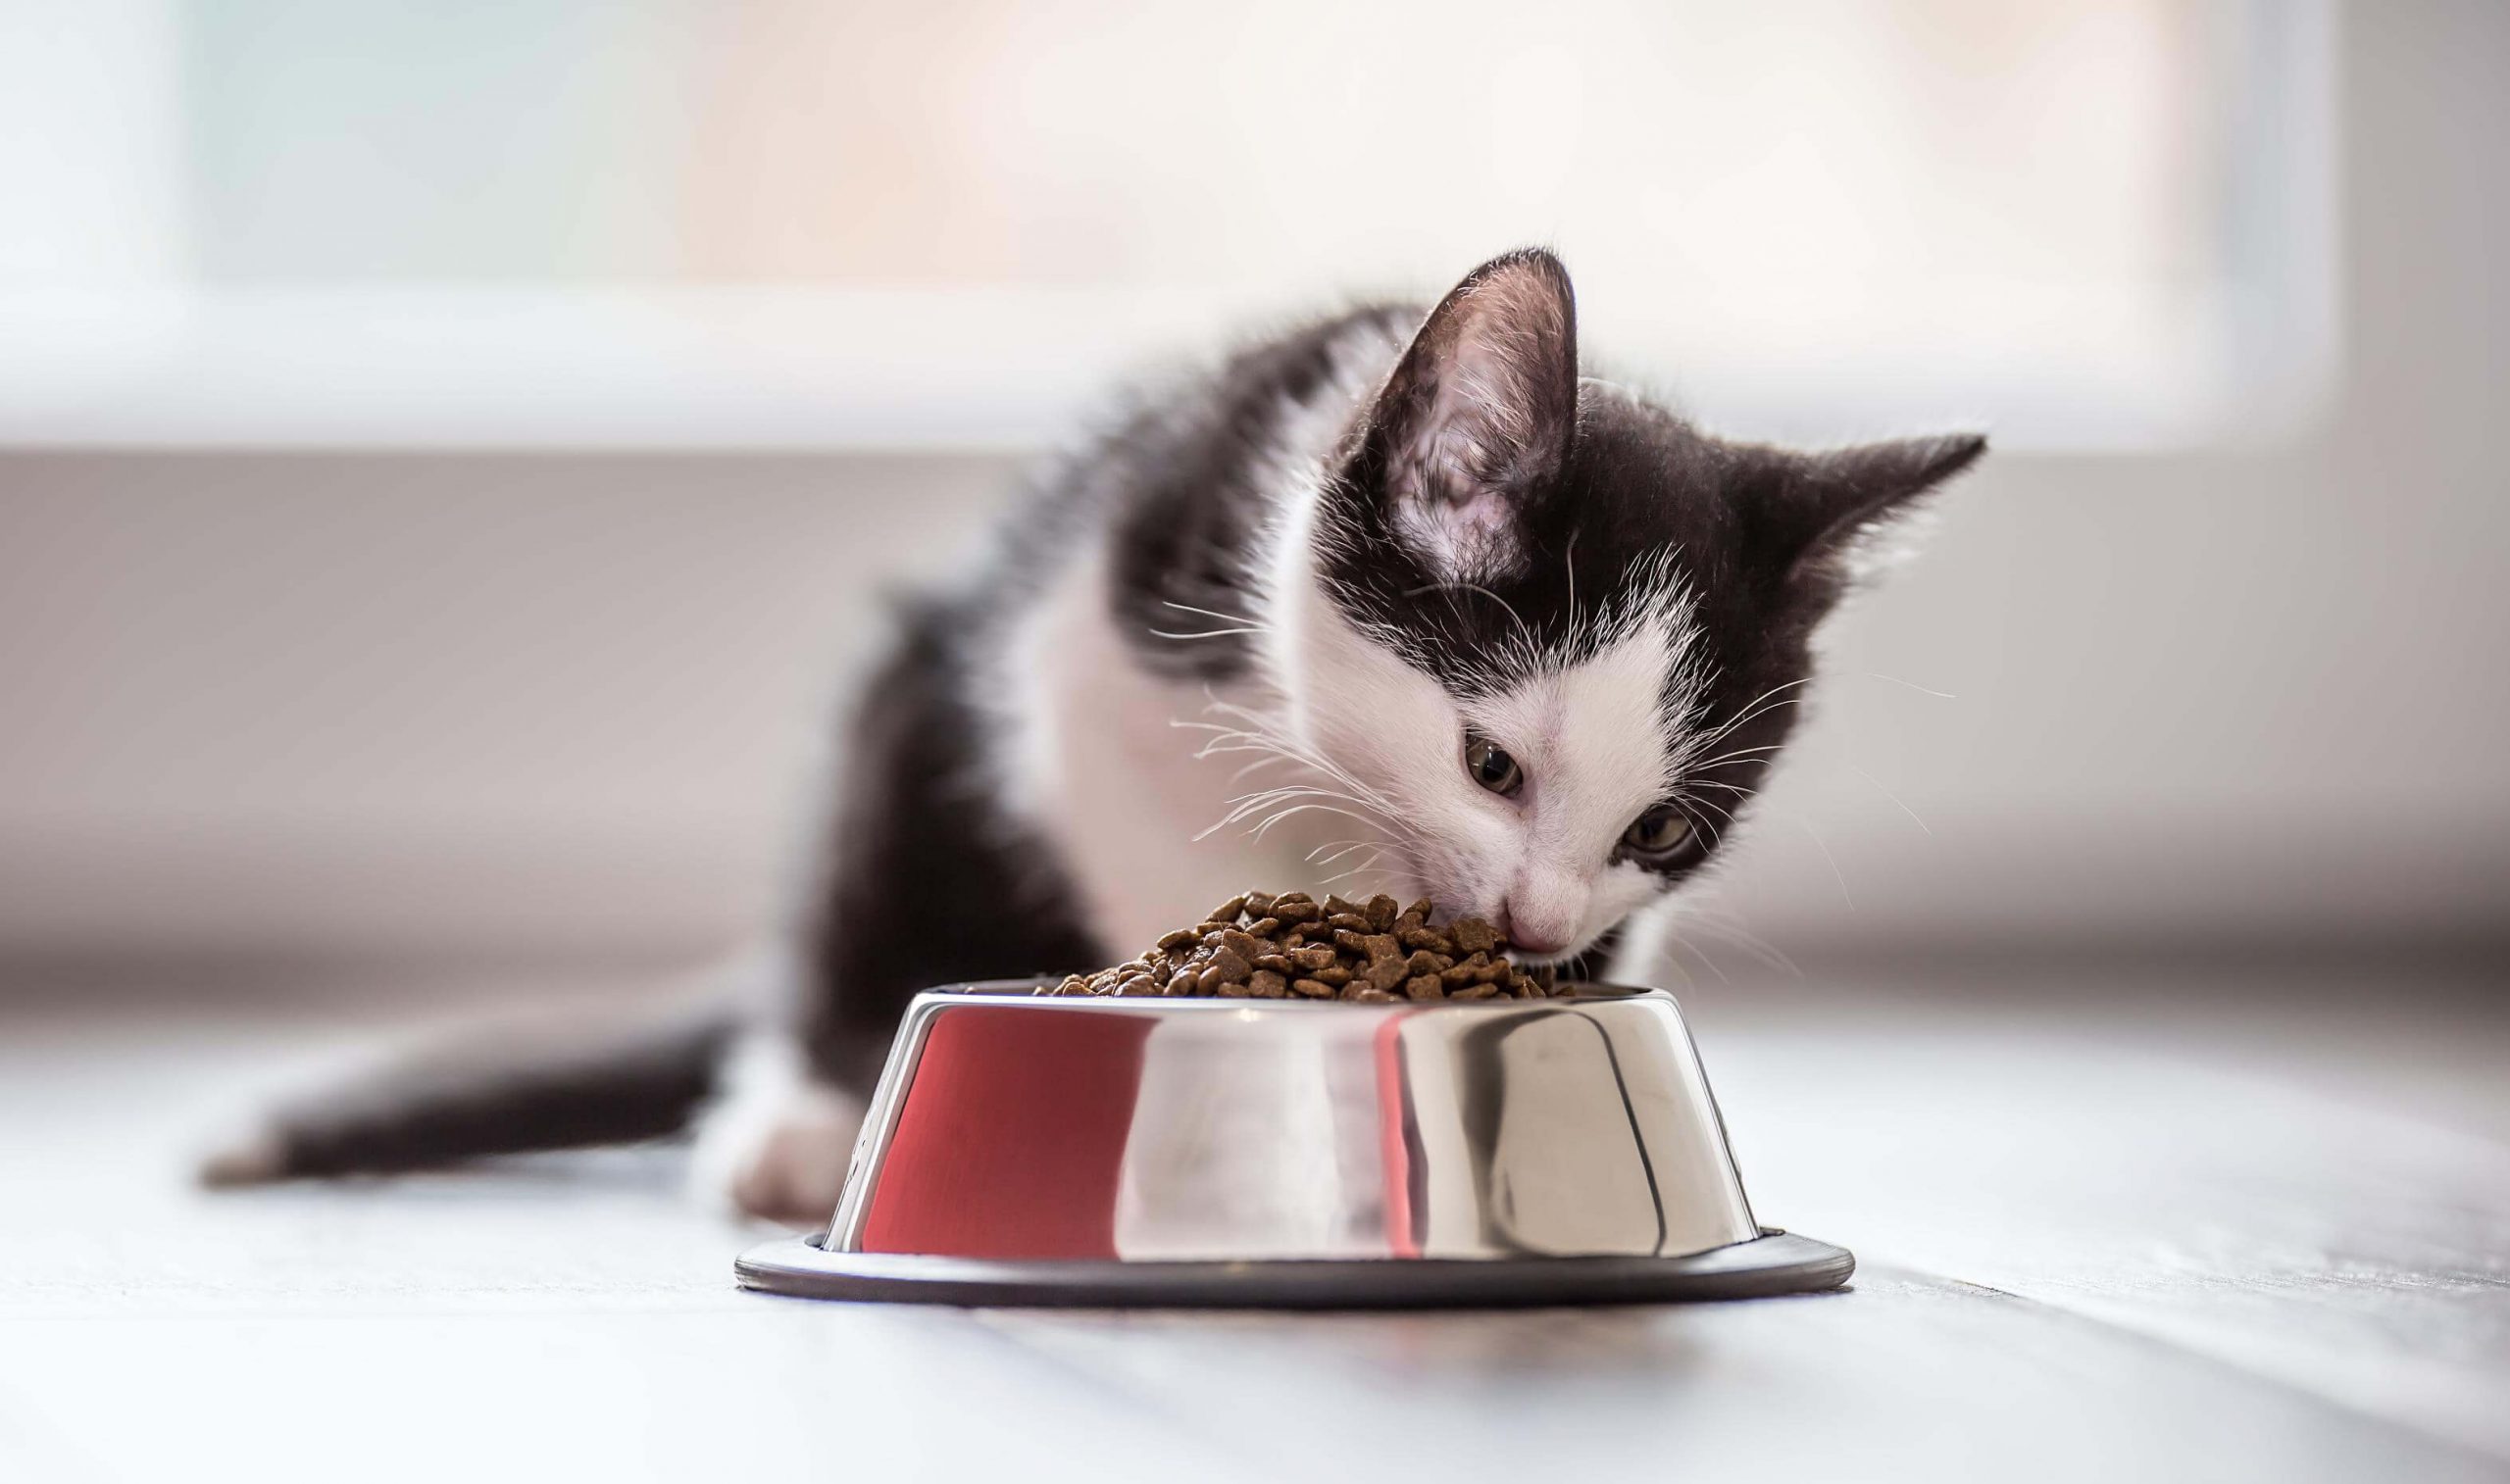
[1288, 1153]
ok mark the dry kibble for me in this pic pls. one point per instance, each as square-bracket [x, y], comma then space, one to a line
[1431, 938]
[1265, 947]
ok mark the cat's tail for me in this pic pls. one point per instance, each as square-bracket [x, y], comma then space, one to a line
[515, 1089]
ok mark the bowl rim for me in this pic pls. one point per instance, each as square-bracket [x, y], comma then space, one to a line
[1022, 991]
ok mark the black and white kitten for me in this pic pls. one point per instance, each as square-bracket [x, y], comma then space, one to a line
[1398, 602]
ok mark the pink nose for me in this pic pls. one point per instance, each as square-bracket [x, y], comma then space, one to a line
[1534, 935]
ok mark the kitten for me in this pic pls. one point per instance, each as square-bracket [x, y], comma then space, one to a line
[1397, 602]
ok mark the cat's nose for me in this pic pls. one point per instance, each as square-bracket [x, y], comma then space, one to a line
[1534, 930]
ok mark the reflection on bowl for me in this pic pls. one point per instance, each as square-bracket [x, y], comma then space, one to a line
[1167, 1129]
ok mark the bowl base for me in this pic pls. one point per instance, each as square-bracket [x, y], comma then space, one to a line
[1774, 1263]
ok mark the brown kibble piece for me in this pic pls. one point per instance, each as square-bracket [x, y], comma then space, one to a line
[1263, 927]
[1430, 938]
[1259, 903]
[1238, 943]
[1231, 965]
[1474, 992]
[1319, 957]
[1424, 962]
[1371, 997]
[1314, 989]
[1386, 973]
[1473, 935]
[1266, 984]
[1423, 987]
[1381, 912]
[1337, 975]
[1347, 921]
[1334, 905]
[1278, 964]
[1228, 910]
[1182, 982]
[1183, 937]
[1139, 984]
[1233, 991]
[1380, 946]
[1467, 972]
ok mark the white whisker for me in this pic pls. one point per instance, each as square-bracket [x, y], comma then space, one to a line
[1923, 690]
[1895, 798]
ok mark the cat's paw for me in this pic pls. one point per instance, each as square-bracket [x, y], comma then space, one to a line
[776, 1146]
[797, 1170]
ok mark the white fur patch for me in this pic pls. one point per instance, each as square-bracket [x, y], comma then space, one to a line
[1591, 737]
[774, 1143]
[1123, 770]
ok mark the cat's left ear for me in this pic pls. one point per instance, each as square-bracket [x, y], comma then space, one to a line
[1829, 505]
[1475, 422]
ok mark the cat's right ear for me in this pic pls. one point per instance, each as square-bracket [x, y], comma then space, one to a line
[1471, 426]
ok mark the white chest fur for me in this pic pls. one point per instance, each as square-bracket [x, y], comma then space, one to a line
[1108, 761]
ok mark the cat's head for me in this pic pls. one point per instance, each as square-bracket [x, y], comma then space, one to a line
[1552, 631]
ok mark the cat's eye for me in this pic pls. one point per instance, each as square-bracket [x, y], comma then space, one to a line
[1657, 833]
[1489, 766]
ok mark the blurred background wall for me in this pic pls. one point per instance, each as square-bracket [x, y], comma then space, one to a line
[403, 556]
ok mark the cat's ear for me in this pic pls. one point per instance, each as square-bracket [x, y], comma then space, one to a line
[1473, 425]
[1829, 507]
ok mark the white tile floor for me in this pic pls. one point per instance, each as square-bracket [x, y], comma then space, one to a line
[2195, 1227]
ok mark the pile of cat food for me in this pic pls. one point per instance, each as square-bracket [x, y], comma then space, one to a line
[1265, 947]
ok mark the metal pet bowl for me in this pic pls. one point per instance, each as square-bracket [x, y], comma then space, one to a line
[1282, 1152]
